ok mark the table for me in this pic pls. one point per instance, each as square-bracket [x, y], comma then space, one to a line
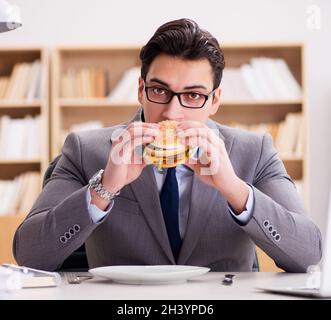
[206, 287]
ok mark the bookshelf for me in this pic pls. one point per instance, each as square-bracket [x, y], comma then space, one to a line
[248, 112]
[69, 109]
[24, 97]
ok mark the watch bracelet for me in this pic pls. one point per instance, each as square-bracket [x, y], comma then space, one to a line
[103, 193]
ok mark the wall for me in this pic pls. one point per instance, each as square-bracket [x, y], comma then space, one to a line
[62, 22]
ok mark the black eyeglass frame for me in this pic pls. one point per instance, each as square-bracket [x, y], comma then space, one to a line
[178, 94]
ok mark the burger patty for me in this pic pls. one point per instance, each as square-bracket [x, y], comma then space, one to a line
[158, 152]
[173, 159]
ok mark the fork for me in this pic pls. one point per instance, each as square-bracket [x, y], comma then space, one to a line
[74, 278]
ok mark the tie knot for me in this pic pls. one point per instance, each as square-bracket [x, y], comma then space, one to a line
[171, 171]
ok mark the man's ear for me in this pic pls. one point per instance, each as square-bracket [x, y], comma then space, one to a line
[140, 90]
[216, 101]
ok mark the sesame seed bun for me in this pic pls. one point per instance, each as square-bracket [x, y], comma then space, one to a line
[166, 150]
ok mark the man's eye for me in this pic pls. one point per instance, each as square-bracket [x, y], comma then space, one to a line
[194, 96]
[159, 91]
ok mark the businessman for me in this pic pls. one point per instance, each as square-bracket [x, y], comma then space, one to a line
[210, 211]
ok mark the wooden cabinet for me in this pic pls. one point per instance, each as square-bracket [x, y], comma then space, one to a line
[75, 109]
[251, 112]
[17, 106]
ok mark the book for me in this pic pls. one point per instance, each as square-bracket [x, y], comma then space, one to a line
[83, 82]
[260, 79]
[18, 196]
[126, 89]
[233, 86]
[288, 135]
[34, 81]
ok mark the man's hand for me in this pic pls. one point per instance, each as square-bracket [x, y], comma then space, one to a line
[124, 163]
[214, 166]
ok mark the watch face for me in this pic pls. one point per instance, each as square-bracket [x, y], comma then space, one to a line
[96, 177]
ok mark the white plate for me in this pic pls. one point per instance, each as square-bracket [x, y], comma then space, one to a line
[157, 274]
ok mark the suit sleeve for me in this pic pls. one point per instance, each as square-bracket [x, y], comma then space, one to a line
[59, 221]
[279, 225]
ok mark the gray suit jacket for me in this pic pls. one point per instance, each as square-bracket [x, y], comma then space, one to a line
[134, 231]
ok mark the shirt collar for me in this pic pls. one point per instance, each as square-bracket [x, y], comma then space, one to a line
[180, 169]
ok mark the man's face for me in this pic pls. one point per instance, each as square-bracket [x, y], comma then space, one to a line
[179, 75]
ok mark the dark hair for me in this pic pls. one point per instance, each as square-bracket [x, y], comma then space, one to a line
[184, 39]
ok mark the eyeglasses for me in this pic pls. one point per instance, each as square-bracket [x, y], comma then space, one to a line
[193, 100]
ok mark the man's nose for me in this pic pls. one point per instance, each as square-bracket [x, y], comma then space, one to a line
[173, 110]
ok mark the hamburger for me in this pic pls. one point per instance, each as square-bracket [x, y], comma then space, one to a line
[166, 150]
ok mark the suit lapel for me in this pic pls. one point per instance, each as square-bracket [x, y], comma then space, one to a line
[145, 190]
[204, 202]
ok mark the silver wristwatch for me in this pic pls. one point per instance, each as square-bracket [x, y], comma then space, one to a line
[98, 187]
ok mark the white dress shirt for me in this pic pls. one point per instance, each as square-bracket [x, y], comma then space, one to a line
[184, 177]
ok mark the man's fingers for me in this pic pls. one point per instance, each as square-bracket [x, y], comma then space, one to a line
[207, 149]
[123, 153]
[140, 141]
[146, 131]
[132, 133]
[191, 134]
[143, 125]
[190, 124]
[137, 149]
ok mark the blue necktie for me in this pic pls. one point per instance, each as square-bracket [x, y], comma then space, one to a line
[169, 200]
